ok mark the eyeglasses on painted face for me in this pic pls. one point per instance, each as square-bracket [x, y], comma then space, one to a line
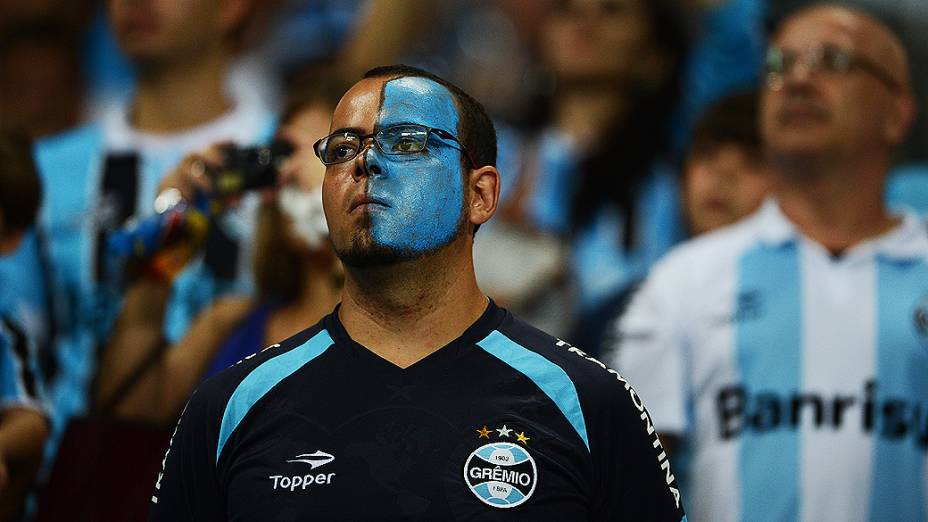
[394, 140]
[832, 59]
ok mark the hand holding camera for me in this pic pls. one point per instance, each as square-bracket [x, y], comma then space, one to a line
[203, 185]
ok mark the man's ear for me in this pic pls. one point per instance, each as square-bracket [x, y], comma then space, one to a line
[484, 194]
[901, 118]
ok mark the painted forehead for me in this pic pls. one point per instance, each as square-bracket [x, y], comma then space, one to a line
[418, 100]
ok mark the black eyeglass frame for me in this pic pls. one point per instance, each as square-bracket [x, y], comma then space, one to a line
[318, 147]
[830, 58]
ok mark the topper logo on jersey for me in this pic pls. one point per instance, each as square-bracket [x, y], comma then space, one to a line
[501, 474]
[317, 459]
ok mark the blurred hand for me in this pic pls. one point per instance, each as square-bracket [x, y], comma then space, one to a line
[190, 176]
[228, 311]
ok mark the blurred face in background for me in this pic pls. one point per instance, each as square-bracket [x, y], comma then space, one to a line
[722, 186]
[301, 175]
[150, 32]
[291, 236]
[597, 40]
[40, 87]
[825, 112]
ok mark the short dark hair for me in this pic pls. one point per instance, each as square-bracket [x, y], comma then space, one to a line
[731, 121]
[313, 85]
[20, 188]
[475, 128]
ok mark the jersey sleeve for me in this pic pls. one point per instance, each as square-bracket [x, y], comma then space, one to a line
[648, 349]
[187, 488]
[637, 481]
[632, 475]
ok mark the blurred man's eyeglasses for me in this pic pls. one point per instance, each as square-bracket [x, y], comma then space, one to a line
[825, 58]
[393, 140]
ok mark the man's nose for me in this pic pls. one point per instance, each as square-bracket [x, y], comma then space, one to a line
[802, 70]
[367, 162]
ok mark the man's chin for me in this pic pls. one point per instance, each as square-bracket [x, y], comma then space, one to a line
[363, 251]
[375, 256]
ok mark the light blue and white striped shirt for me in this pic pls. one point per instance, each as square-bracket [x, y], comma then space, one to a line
[799, 379]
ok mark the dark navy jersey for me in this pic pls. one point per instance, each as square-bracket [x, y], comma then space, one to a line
[503, 423]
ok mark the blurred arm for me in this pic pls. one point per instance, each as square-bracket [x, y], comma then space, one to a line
[22, 439]
[159, 395]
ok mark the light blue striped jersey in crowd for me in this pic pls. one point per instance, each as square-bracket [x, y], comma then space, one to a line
[20, 385]
[798, 378]
[77, 207]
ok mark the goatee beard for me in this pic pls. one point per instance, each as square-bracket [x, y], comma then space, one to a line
[364, 252]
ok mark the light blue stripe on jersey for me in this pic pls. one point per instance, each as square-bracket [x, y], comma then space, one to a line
[263, 378]
[898, 463]
[767, 349]
[551, 378]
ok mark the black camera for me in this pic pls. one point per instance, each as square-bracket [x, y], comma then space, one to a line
[249, 168]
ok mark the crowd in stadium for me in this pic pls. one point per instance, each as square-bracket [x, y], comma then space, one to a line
[726, 201]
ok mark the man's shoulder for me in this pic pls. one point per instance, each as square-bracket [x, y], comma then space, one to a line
[708, 256]
[590, 377]
[64, 162]
[71, 144]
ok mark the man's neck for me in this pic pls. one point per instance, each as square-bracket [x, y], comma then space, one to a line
[836, 204]
[586, 114]
[407, 311]
[182, 94]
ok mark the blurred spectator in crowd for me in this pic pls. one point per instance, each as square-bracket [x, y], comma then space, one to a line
[909, 21]
[143, 384]
[40, 76]
[587, 185]
[295, 271]
[787, 355]
[907, 185]
[101, 175]
[23, 421]
[40, 92]
[725, 178]
[726, 56]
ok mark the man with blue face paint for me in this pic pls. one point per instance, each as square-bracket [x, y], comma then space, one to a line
[417, 398]
[416, 200]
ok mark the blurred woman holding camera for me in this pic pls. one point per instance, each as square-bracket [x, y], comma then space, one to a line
[296, 275]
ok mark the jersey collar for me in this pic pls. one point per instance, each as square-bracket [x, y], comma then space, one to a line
[775, 229]
[907, 241]
[435, 363]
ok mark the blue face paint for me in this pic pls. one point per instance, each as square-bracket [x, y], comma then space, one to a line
[424, 191]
